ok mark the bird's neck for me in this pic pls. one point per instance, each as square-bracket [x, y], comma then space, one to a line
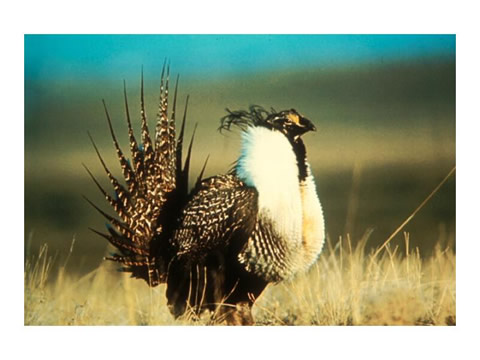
[301, 155]
[266, 149]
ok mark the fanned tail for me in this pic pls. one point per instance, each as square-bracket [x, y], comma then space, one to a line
[156, 188]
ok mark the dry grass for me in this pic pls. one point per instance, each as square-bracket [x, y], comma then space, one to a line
[347, 286]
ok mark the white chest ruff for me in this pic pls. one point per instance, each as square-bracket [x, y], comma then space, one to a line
[268, 163]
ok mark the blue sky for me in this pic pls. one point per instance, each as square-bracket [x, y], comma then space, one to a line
[67, 56]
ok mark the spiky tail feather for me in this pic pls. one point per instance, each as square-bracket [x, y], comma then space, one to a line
[156, 189]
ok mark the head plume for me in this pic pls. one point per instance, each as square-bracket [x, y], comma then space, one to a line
[256, 115]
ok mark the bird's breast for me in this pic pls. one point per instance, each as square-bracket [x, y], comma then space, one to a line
[291, 234]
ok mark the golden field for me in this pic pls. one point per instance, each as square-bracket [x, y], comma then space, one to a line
[348, 285]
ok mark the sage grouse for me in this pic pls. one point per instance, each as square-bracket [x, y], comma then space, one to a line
[219, 245]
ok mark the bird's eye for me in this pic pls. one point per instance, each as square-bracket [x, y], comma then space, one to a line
[294, 119]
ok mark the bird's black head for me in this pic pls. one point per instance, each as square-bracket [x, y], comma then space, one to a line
[289, 122]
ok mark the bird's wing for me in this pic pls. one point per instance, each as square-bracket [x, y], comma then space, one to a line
[220, 216]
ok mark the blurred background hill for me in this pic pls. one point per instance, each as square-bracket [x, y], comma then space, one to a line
[384, 107]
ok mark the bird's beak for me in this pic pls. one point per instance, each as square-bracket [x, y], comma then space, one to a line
[308, 125]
